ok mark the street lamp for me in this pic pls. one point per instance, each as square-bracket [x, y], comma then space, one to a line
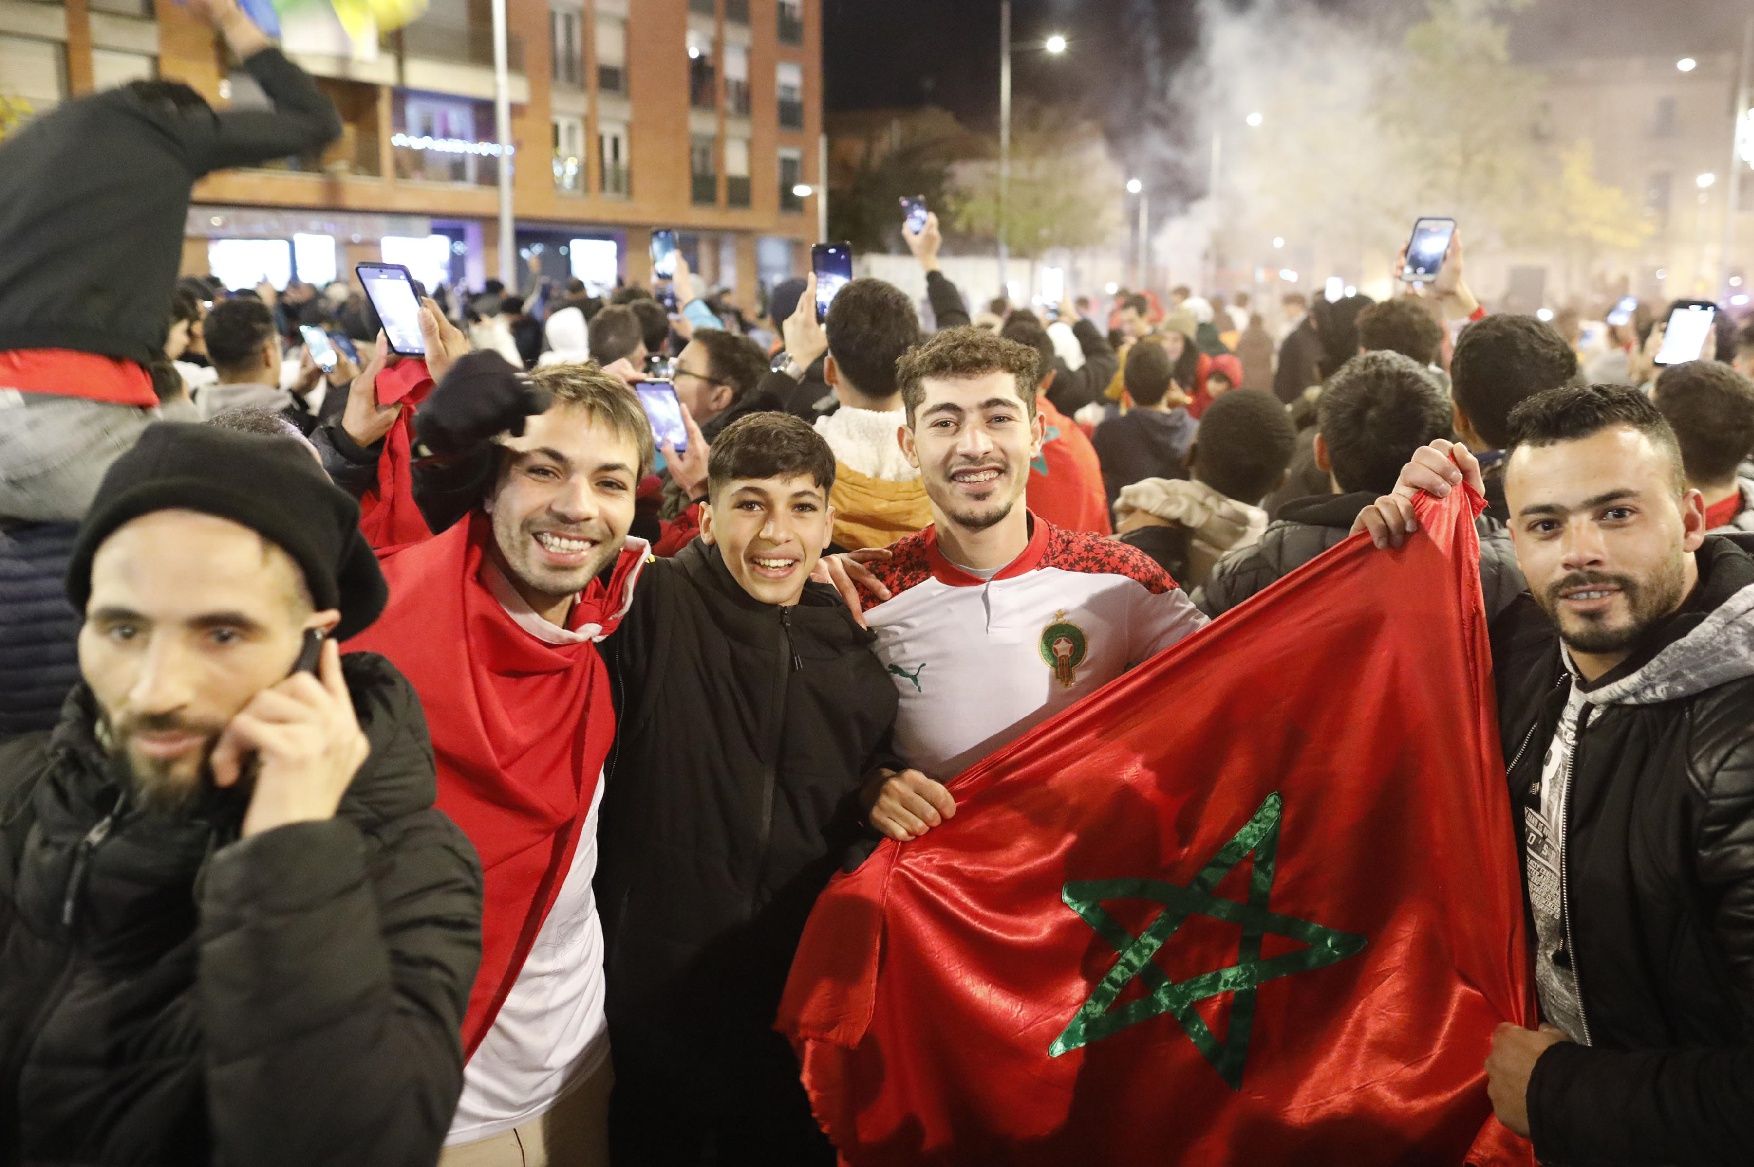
[1278, 243]
[1055, 45]
[1254, 120]
[1705, 181]
[1136, 187]
[1686, 64]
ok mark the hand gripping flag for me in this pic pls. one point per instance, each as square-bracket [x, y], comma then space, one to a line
[1255, 902]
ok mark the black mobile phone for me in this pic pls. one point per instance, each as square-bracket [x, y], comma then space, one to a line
[317, 344]
[310, 653]
[664, 254]
[1684, 336]
[833, 265]
[345, 343]
[1622, 312]
[915, 210]
[1426, 249]
[395, 298]
[664, 410]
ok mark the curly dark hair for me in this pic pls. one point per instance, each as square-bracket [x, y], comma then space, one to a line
[1710, 407]
[962, 353]
[1401, 326]
[1372, 415]
[769, 445]
[235, 332]
[871, 325]
[1244, 444]
[1573, 412]
[1501, 361]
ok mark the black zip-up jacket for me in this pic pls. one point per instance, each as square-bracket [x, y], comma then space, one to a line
[1657, 877]
[746, 731]
[170, 994]
[93, 201]
[1306, 527]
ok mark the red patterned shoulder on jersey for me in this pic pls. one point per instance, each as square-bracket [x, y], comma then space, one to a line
[909, 563]
[1100, 555]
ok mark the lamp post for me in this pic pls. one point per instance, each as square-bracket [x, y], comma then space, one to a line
[1741, 149]
[1214, 169]
[1054, 45]
[1142, 260]
[502, 121]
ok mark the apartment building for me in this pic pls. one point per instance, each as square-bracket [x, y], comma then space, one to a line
[627, 115]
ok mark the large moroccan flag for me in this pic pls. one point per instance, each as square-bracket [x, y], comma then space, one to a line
[1256, 902]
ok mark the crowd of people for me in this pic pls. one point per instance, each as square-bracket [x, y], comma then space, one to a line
[413, 760]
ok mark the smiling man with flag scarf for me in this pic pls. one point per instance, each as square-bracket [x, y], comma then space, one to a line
[496, 622]
[1222, 911]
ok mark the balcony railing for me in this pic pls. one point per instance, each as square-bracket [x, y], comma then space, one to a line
[469, 44]
[791, 114]
[353, 154]
[789, 201]
[569, 174]
[616, 181]
[736, 190]
[611, 79]
[446, 161]
[702, 87]
[736, 98]
[705, 189]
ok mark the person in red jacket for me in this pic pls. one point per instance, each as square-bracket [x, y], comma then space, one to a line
[1065, 480]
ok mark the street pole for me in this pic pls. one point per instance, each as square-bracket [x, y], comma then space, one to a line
[502, 118]
[1004, 138]
[1733, 193]
[1144, 241]
[1212, 197]
[822, 188]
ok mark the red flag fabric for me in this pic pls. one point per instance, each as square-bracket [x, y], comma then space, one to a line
[388, 516]
[1255, 902]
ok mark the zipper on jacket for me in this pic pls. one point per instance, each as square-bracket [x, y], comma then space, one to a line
[1530, 736]
[1583, 1017]
[94, 839]
[770, 763]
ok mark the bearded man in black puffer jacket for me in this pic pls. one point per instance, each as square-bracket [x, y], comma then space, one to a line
[233, 927]
[1625, 685]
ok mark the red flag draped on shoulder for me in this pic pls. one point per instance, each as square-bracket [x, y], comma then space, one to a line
[1255, 902]
[388, 516]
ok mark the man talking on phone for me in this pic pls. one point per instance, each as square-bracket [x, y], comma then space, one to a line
[233, 926]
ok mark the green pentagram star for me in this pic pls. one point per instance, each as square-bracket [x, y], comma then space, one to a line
[1097, 1018]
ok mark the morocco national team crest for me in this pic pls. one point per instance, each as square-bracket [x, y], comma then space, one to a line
[1064, 648]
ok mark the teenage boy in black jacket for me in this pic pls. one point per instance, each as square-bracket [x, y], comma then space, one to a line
[93, 201]
[752, 709]
[1626, 710]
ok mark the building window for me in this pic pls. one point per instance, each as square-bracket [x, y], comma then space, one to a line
[792, 21]
[791, 93]
[737, 80]
[568, 50]
[737, 172]
[703, 175]
[1656, 198]
[611, 54]
[737, 11]
[704, 7]
[1663, 124]
[444, 139]
[791, 176]
[35, 74]
[111, 68]
[702, 77]
[612, 159]
[569, 155]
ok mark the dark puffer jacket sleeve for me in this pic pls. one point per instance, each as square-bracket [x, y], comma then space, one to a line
[333, 979]
[1684, 1105]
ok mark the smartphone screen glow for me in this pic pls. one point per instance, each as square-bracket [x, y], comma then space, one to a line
[833, 264]
[1426, 249]
[664, 411]
[392, 295]
[1684, 339]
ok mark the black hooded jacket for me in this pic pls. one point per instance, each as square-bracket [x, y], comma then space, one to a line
[745, 732]
[93, 201]
[175, 995]
[1658, 875]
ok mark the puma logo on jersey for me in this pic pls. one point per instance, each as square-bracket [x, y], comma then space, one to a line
[913, 676]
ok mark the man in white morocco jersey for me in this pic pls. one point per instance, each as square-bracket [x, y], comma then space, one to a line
[995, 620]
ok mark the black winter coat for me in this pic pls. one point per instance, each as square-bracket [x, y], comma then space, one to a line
[39, 630]
[173, 995]
[93, 201]
[745, 733]
[1307, 527]
[1658, 873]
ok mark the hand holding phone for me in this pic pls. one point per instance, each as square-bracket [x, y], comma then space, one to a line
[914, 212]
[664, 411]
[1689, 326]
[832, 264]
[1427, 248]
[664, 254]
[393, 295]
[317, 344]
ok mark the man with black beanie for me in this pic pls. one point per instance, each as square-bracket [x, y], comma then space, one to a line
[233, 926]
